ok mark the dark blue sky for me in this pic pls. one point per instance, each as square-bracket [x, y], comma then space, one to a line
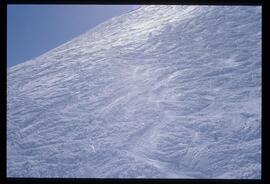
[35, 29]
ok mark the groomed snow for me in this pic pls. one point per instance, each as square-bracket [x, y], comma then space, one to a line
[159, 92]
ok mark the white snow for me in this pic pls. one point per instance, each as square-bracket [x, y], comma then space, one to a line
[159, 92]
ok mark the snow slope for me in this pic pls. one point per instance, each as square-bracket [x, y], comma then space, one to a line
[159, 92]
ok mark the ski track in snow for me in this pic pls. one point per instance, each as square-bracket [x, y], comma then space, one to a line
[159, 92]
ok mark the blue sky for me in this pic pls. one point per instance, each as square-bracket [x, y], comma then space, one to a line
[35, 29]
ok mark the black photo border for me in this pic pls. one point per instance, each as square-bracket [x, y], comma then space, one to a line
[3, 94]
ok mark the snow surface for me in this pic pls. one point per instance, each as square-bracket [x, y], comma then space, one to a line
[159, 92]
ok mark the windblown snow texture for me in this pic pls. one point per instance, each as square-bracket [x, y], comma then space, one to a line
[159, 92]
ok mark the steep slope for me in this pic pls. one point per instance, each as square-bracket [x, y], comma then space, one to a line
[160, 92]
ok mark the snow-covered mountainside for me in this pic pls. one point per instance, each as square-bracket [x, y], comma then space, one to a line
[159, 92]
